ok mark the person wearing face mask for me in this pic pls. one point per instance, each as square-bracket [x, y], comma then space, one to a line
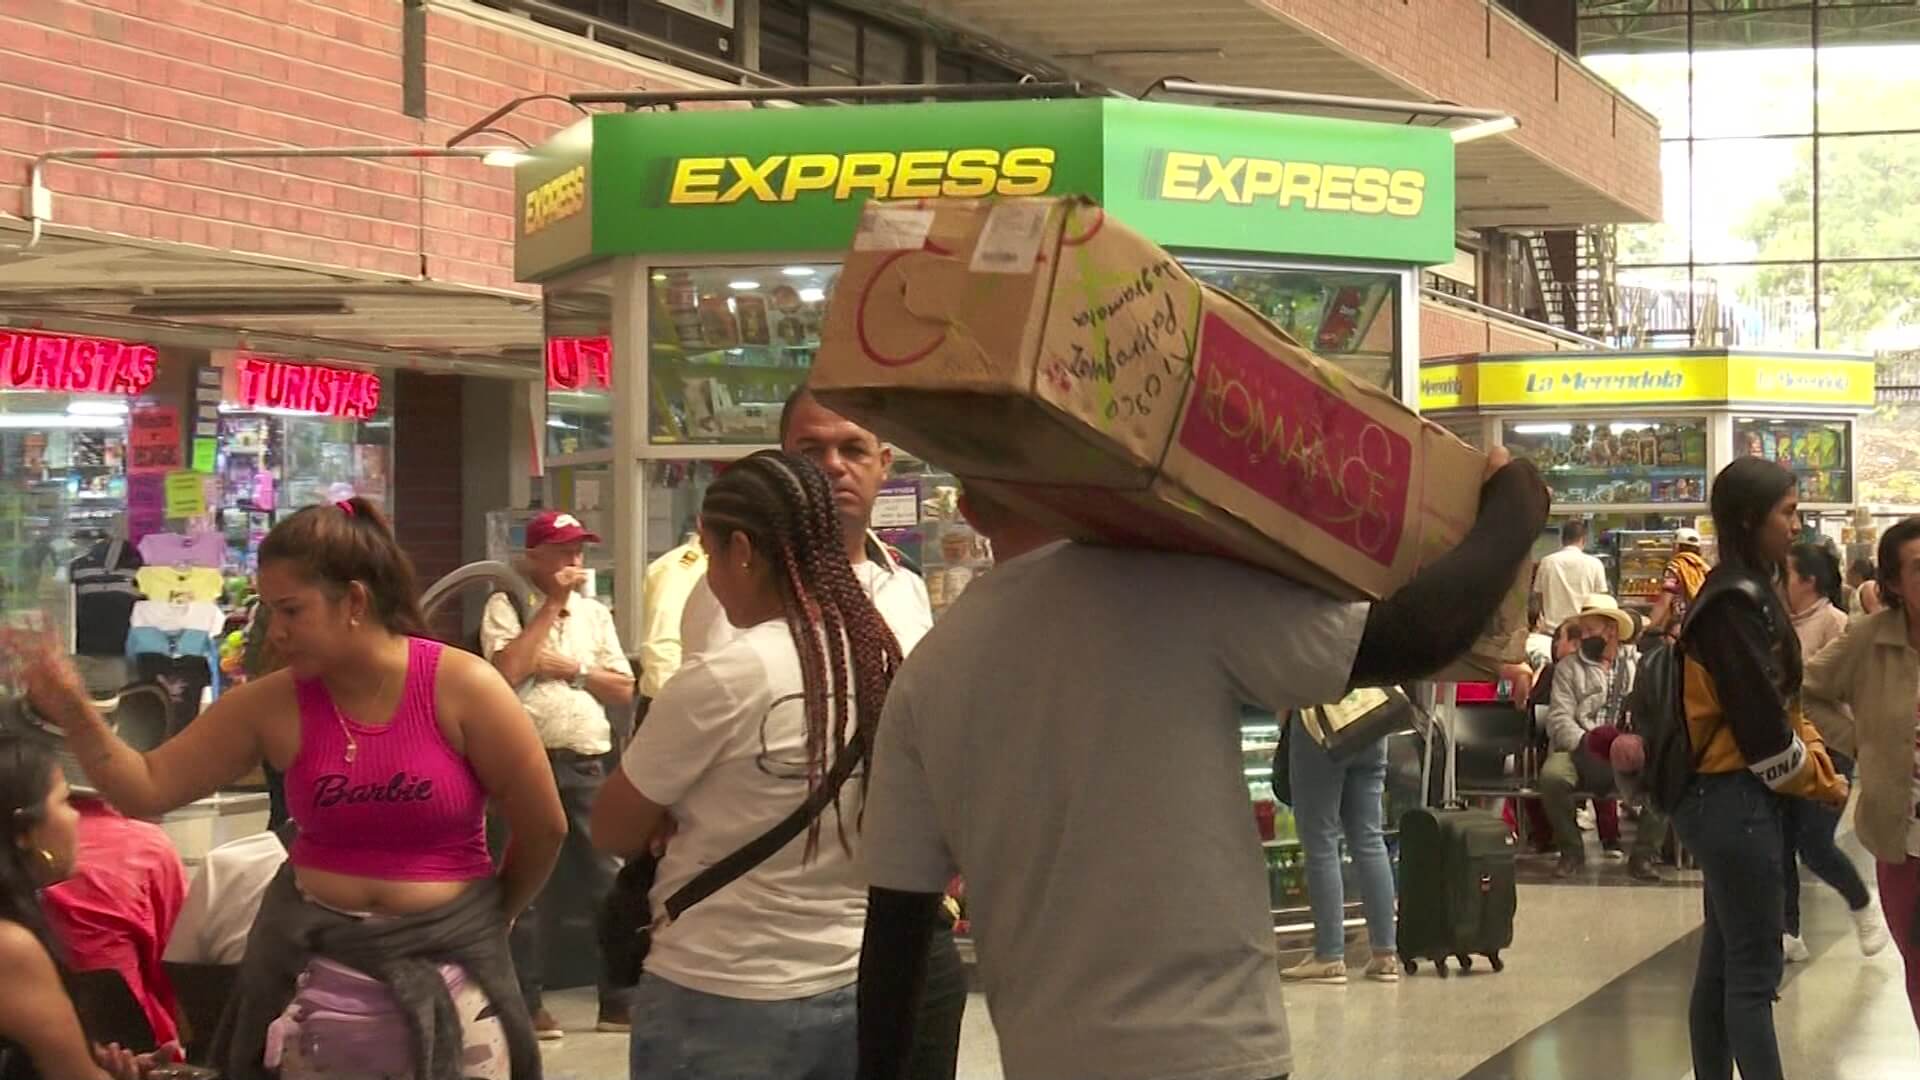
[1590, 689]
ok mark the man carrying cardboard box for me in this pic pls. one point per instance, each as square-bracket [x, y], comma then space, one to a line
[1067, 739]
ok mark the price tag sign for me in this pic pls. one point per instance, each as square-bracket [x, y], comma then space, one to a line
[186, 494]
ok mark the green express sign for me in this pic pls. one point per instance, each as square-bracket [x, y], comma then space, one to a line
[790, 180]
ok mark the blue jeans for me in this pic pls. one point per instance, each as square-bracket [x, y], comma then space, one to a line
[682, 1034]
[1731, 823]
[1331, 799]
[1809, 828]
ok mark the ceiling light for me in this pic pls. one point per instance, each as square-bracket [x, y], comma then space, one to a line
[1499, 125]
[743, 285]
[798, 271]
[505, 159]
[813, 296]
[97, 408]
[659, 277]
[240, 305]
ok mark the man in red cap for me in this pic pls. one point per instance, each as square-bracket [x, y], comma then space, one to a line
[569, 668]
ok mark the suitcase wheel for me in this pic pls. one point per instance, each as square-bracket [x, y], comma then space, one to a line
[1413, 966]
[1466, 961]
[1498, 964]
[1440, 965]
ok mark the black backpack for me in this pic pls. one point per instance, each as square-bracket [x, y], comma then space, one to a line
[1658, 707]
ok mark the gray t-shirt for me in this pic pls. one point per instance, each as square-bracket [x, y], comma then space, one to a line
[1067, 737]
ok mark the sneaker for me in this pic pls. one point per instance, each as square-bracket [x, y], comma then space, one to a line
[1385, 967]
[1871, 928]
[614, 1020]
[1796, 949]
[1570, 865]
[546, 1028]
[1584, 818]
[1640, 868]
[1613, 850]
[1330, 972]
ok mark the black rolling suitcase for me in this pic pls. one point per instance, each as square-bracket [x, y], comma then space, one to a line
[1457, 895]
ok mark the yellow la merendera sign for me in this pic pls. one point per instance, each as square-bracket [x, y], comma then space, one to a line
[1629, 379]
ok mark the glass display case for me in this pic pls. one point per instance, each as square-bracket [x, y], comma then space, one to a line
[728, 345]
[579, 362]
[1616, 462]
[1640, 564]
[1349, 317]
[1819, 453]
[918, 513]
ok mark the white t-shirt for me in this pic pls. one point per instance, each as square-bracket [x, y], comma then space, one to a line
[1068, 738]
[224, 900]
[1564, 580]
[566, 718]
[724, 746]
[897, 592]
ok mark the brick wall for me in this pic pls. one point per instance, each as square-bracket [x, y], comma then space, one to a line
[185, 73]
[1451, 50]
[1451, 331]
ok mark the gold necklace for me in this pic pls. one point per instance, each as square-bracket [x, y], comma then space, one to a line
[353, 745]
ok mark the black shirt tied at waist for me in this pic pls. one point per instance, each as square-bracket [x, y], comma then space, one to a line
[404, 953]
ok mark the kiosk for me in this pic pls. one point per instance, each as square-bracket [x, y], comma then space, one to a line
[1632, 440]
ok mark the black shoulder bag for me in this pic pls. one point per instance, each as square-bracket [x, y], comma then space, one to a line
[626, 922]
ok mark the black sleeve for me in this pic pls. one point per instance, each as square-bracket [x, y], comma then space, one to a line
[1435, 618]
[1730, 640]
[893, 973]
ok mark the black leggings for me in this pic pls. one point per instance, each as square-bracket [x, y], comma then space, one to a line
[936, 1035]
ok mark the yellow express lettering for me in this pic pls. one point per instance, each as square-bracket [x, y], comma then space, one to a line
[919, 174]
[697, 180]
[1027, 171]
[1329, 186]
[1406, 193]
[973, 172]
[753, 178]
[809, 172]
[557, 199]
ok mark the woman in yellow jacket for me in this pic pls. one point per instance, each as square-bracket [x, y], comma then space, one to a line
[1875, 669]
[1752, 749]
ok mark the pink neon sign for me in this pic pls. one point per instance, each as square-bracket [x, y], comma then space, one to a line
[74, 365]
[262, 383]
[576, 363]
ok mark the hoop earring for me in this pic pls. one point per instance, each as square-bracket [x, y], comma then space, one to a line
[47, 858]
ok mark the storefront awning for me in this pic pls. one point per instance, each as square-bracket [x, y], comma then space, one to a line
[74, 281]
[1827, 382]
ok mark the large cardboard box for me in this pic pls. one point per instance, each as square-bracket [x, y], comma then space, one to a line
[1047, 354]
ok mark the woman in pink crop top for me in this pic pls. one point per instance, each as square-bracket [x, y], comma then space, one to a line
[392, 748]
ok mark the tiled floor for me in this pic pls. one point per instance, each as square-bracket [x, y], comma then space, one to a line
[1595, 987]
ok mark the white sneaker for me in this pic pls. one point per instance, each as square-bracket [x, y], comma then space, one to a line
[1330, 972]
[1796, 949]
[1871, 928]
[1584, 818]
[1385, 967]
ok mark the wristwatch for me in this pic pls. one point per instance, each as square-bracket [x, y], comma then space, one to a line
[580, 678]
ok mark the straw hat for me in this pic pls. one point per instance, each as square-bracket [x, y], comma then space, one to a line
[1603, 605]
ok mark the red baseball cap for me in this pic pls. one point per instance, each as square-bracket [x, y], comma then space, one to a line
[557, 527]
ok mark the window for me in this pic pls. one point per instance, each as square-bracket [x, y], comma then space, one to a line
[1789, 126]
[690, 24]
[821, 45]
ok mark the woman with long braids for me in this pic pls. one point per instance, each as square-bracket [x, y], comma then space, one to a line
[757, 980]
[390, 912]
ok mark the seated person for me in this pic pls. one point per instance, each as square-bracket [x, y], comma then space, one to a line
[40, 1032]
[117, 909]
[1590, 688]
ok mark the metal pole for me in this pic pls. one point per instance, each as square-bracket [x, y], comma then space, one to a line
[1518, 320]
[890, 91]
[1265, 96]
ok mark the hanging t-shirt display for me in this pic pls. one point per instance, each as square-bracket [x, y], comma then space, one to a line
[203, 547]
[170, 584]
[175, 645]
[104, 592]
